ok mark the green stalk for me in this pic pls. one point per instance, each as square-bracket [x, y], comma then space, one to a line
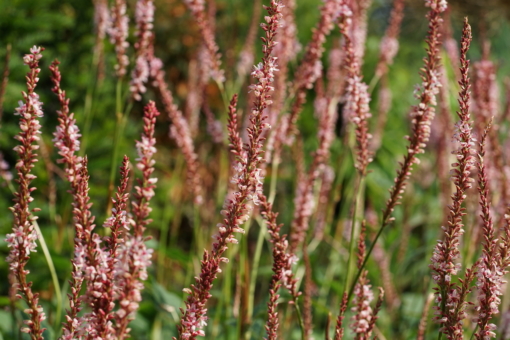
[254, 269]
[373, 83]
[472, 335]
[156, 328]
[165, 220]
[116, 142]
[272, 184]
[53, 272]
[367, 256]
[300, 317]
[89, 98]
[354, 228]
[243, 264]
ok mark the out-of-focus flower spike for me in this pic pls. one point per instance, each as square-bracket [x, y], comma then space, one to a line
[5, 79]
[144, 17]
[179, 129]
[118, 30]
[389, 43]
[357, 97]
[310, 68]
[197, 9]
[422, 328]
[304, 198]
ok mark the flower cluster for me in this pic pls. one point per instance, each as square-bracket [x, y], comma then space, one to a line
[197, 9]
[179, 130]
[101, 18]
[140, 74]
[304, 198]
[130, 270]
[356, 96]
[282, 260]
[145, 163]
[490, 273]
[22, 240]
[449, 296]
[119, 32]
[423, 113]
[247, 178]
[389, 43]
[364, 318]
[307, 73]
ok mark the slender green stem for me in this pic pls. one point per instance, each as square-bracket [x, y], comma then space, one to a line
[272, 184]
[300, 317]
[197, 230]
[241, 284]
[354, 228]
[255, 267]
[165, 220]
[373, 83]
[367, 256]
[116, 142]
[157, 328]
[474, 332]
[89, 98]
[53, 272]
[224, 96]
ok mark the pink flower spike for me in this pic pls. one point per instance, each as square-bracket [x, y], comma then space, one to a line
[22, 240]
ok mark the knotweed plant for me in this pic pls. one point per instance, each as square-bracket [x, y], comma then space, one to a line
[279, 151]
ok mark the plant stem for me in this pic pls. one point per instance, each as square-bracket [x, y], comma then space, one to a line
[354, 228]
[254, 269]
[53, 272]
[118, 127]
[272, 184]
[89, 98]
[300, 317]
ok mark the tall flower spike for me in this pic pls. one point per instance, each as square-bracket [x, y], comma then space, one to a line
[248, 180]
[445, 258]
[281, 259]
[422, 116]
[67, 141]
[134, 257]
[144, 191]
[119, 32]
[144, 17]
[357, 97]
[423, 113]
[311, 67]
[101, 281]
[22, 240]
[286, 50]
[490, 274]
[304, 199]
[179, 130]
[339, 330]
[362, 319]
[197, 9]
[389, 43]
